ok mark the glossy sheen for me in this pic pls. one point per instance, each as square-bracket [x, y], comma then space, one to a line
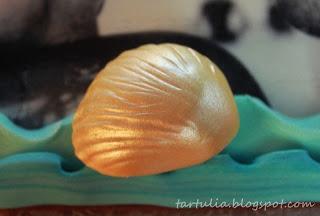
[154, 109]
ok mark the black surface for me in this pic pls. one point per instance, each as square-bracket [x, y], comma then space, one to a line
[217, 13]
[302, 14]
[29, 72]
[277, 21]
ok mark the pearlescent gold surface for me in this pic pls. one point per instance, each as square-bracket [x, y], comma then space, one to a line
[154, 109]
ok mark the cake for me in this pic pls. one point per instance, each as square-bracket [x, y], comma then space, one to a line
[272, 158]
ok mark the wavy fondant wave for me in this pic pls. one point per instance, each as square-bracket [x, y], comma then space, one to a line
[273, 158]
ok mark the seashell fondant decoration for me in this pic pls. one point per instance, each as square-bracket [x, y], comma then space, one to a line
[154, 109]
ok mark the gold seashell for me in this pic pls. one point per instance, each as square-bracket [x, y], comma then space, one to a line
[154, 109]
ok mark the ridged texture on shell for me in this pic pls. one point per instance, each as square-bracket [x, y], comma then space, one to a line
[154, 109]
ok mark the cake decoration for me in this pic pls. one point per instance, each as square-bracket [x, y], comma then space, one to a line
[32, 166]
[154, 109]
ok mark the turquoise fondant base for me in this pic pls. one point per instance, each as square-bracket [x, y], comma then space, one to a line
[273, 158]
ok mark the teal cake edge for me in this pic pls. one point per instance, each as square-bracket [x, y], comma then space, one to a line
[273, 158]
